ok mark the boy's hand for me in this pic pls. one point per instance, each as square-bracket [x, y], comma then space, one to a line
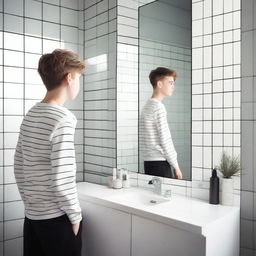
[178, 173]
[75, 227]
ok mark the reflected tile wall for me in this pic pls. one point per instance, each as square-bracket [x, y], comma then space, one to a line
[28, 29]
[100, 90]
[127, 83]
[127, 107]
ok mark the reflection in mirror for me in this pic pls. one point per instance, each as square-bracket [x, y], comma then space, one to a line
[165, 38]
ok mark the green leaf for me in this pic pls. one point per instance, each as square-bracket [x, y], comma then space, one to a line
[229, 166]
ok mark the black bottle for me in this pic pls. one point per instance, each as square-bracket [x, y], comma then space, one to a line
[214, 188]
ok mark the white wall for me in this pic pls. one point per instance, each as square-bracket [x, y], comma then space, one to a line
[164, 22]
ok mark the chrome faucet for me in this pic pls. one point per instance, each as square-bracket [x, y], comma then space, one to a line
[157, 183]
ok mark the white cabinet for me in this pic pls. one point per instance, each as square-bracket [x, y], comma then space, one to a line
[109, 232]
[150, 238]
[115, 226]
[106, 232]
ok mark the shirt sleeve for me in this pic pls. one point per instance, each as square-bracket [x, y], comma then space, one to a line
[63, 164]
[166, 143]
[18, 168]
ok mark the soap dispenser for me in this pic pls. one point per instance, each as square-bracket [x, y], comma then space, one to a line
[214, 188]
[117, 182]
[126, 179]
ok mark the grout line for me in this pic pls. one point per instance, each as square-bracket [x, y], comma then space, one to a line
[253, 122]
[223, 99]
[203, 94]
[116, 71]
[3, 155]
[212, 87]
[138, 97]
[83, 26]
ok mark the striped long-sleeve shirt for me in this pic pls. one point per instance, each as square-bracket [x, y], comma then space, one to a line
[155, 138]
[44, 163]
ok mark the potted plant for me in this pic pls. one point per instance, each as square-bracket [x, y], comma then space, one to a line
[229, 167]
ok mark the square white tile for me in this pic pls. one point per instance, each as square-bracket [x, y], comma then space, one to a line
[11, 193]
[12, 90]
[217, 7]
[13, 7]
[14, 247]
[13, 24]
[9, 77]
[13, 229]
[228, 21]
[13, 41]
[69, 17]
[13, 107]
[33, 27]
[13, 58]
[51, 13]
[33, 9]
[51, 30]
[33, 44]
[197, 10]
[217, 23]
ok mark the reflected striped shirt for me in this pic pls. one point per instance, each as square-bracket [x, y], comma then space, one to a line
[44, 163]
[155, 137]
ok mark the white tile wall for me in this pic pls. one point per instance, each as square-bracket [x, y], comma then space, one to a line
[99, 92]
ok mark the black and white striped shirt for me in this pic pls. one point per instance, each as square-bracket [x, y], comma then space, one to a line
[44, 163]
[155, 138]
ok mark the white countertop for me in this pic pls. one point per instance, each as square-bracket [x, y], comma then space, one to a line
[185, 213]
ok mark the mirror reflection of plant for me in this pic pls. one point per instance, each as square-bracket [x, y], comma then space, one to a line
[229, 166]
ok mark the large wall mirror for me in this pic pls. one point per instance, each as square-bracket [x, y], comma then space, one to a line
[165, 40]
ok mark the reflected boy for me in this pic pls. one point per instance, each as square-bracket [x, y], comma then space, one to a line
[159, 154]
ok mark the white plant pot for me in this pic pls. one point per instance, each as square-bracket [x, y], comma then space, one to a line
[227, 196]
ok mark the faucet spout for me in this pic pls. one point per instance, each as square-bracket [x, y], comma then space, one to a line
[157, 183]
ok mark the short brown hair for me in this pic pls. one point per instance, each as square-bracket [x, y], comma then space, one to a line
[159, 73]
[53, 67]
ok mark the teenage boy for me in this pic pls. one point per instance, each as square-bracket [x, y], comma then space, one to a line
[45, 165]
[158, 151]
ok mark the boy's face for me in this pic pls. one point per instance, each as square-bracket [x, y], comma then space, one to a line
[74, 85]
[166, 85]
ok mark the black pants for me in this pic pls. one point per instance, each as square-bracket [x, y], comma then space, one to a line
[158, 168]
[51, 237]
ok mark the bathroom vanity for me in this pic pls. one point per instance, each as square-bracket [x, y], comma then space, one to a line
[137, 222]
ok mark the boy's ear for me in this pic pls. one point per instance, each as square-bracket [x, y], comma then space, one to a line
[159, 84]
[68, 78]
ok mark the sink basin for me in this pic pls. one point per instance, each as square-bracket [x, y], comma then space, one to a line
[140, 198]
